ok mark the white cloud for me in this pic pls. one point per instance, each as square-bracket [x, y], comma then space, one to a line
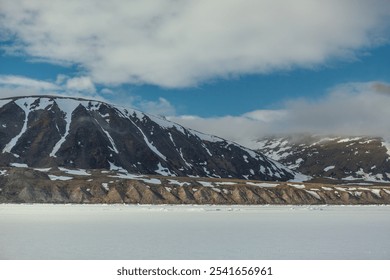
[106, 91]
[20, 81]
[81, 84]
[266, 116]
[235, 128]
[349, 109]
[11, 85]
[161, 107]
[183, 43]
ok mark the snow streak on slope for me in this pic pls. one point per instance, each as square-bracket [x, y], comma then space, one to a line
[387, 146]
[67, 106]
[113, 146]
[150, 145]
[25, 105]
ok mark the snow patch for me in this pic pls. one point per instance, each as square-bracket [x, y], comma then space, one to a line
[297, 186]
[262, 185]
[151, 181]
[43, 169]
[116, 168]
[226, 183]
[105, 186]
[21, 165]
[205, 184]
[376, 192]
[175, 182]
[60, 178]
[127, 176]
[163, 171]
[387, 146]
[313, 193]
[344, 140]
[81, 172]
[326, 169]
[137, 177]
[298, 177]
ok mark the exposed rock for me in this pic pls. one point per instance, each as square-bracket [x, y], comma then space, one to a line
[101, 187]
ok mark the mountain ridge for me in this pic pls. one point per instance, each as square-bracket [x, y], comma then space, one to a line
[343, 158]
[48, 131]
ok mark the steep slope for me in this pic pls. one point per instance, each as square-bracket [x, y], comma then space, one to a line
[342, 158]
[46, 131]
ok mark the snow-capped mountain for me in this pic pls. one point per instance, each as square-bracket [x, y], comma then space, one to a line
[342, 158]
[47, 131]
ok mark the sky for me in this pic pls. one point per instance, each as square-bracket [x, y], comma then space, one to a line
[241, 70]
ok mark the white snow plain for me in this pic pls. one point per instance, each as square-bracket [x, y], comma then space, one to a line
[193, 232]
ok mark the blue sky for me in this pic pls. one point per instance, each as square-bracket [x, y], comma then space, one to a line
[251, 67]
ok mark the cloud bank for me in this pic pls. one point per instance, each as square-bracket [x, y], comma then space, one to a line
[176, 44]
[350, 109]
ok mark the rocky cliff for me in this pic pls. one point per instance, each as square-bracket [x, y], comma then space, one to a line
[24, 185]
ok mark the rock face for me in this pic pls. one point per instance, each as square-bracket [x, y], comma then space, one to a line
[20, 185]
[44, 131]
[341, 158]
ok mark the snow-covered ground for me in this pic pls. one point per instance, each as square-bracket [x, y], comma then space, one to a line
[193, 232]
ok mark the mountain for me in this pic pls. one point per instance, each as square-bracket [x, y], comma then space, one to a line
[337, 158]
[48, 131]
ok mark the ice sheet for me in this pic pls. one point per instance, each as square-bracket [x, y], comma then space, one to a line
[194, 232]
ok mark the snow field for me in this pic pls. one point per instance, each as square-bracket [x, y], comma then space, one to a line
[194, 232]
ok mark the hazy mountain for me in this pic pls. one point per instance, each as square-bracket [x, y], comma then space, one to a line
[342, 158]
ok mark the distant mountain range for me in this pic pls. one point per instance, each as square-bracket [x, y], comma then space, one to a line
[48, 131]
[345, 159]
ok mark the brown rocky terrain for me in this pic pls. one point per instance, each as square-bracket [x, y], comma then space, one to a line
[26, 185]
